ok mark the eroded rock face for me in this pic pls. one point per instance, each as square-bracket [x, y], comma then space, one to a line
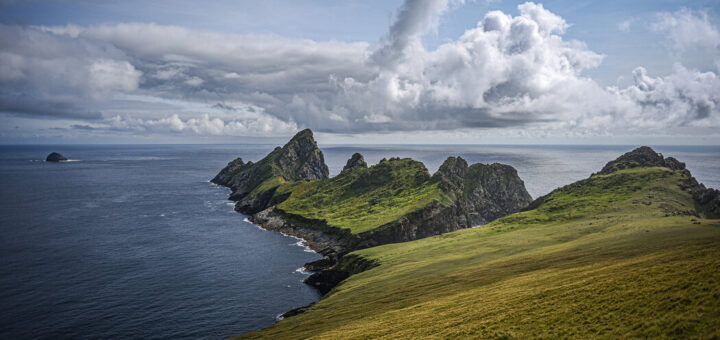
[493, 191]
[643, 156]
[301, 159]
[356, 161]
[451, 174]
[484, 192]
[55, 157]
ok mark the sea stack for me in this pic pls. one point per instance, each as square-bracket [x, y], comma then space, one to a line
[56, 157]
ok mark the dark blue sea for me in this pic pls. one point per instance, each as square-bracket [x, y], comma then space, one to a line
[132, 241]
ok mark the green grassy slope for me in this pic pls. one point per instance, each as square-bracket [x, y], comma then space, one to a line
[597, 259]
[364, 198]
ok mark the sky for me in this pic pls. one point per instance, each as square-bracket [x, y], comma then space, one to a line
[360, 72]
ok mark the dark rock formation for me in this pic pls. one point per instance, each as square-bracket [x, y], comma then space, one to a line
[642, 156]
[330, 242]
[299, 159]
[296, 311]
[485, 191]
[55, 157]
[227, 173]
[326, 280]
[434, 219]
[356, 161]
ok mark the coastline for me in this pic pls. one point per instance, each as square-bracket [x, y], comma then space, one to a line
[313, 240]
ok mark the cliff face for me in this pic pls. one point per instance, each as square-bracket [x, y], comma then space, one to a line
[396, 200]
[484, 191]
[298, 160]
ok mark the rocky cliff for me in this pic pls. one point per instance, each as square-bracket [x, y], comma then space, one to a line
[484, 191]
[396, 200]
[298, 160]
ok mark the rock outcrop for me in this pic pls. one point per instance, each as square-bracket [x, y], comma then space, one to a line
[299, 160]
[55, 157]
[356, 161]
[642, 156]
[484, 192]
[707, 199]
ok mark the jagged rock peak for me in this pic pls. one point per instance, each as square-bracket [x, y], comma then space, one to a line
[301, 159]
[642, 156]
[55, 157]
[452, 173]
[356, 161]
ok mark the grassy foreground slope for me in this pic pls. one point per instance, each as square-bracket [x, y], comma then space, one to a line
[596, 259]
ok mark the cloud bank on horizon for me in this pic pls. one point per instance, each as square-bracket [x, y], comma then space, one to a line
[509, 74]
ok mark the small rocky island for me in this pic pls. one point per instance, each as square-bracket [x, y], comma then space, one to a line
[56, 157]
[396, 200]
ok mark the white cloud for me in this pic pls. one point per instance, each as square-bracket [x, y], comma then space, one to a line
[625, 25]
[518, 72]
[202, 125]
[687, 29]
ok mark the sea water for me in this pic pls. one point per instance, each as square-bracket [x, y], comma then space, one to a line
[134, 242]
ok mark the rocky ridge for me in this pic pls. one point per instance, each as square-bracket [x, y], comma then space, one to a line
[476, 194]
[707, 199]
[643, 156]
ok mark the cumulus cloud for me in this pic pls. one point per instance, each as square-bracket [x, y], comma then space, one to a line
[499, 73]
[685, 97]
[514, 72]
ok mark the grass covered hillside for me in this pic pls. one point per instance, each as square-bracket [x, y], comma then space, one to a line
[362, 199]
[397, 199]
[618, 255]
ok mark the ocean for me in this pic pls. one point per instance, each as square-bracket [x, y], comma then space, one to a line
[132, 241]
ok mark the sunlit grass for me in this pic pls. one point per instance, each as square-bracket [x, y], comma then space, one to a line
[364, 199]
[598, 259]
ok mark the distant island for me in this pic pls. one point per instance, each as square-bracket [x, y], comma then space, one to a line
[55, 157]
[631, 251]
